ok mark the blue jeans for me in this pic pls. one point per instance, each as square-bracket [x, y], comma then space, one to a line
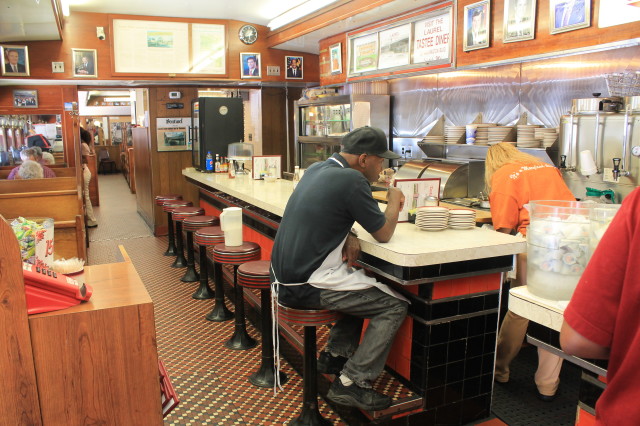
[385, 314]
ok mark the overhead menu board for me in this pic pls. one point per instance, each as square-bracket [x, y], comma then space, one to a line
[161, 47]
[420, 40]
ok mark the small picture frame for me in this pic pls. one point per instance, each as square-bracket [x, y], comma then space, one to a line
[519, 20]
[85, 63]
[476, 26]
[569, 15]
[15, 61]
[250, 65]
[335, 58]
[267, 166]
[25, 98]
[293, 64]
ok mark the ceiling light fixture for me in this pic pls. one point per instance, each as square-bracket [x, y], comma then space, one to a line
[298, 12]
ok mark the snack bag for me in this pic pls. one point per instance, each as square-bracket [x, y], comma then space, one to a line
[36, 240]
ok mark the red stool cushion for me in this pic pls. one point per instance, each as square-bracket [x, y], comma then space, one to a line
[170, 205]
[209, 236]
[160, 199]
[181, 213]
[196, 222]
[236, 255]
[306, 317]
[255, 274]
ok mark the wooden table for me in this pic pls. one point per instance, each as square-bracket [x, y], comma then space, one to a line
[482, 216]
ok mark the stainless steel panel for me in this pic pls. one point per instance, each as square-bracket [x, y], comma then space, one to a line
[549, 86]
[415, 106]
[491, 91]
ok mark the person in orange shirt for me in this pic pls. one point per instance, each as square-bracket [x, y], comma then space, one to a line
[514, 178]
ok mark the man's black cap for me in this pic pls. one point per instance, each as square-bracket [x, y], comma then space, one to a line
[367, 140]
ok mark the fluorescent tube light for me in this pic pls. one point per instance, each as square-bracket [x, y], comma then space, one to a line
[298, 12]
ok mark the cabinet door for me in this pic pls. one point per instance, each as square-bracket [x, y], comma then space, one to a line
[325, 120]
[314, 152]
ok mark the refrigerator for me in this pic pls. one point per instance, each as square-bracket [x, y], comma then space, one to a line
[215, 123]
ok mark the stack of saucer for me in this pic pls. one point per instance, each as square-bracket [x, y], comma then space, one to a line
[498, 134]
[482, 133]
[433, 139]
[546, 135]
[462, 219]
[432, 218]
[526, 136]
[452, 134]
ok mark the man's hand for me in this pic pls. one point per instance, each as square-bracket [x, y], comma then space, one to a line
[395, 197]
[351, 250]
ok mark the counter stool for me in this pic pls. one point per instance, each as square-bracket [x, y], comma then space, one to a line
[190, 225]
[310, 319]
[236, 256]
[179, 214]
[256, 275]
[171, 250]
[206, 238]
[169, 206]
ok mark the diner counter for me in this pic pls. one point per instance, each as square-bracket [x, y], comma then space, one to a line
[408, 247]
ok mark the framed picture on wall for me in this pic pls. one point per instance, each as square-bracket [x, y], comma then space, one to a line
[25, 98]
[335, 58]
[569, 15]
[85, 63]
[250, 65]
[15, 61]
[519, 20]
[294, 67]
[476, 26]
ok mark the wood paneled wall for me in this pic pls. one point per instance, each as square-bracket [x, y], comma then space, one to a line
[543, 43]
[80, 32]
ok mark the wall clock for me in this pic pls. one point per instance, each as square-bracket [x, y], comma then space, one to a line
[248, 34]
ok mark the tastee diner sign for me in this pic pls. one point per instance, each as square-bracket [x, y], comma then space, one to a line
[413, 42]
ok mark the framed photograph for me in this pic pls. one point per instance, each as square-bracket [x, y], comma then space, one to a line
[476, 26]
[395, 47]
[415, 190]
[294, 67]
[519, 20]
[85, 63]
[172, 133]
[267, 165]
[335, 58]
[15, 61]
[569, 15]
[25, 98]
[250, 65]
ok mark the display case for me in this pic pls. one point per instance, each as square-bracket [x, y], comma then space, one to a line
[321, 123]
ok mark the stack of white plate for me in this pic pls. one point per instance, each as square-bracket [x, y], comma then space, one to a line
[482, 133]
[433, 139]
[462, 219]
[498, 133]
[526, 136]
[547, 136]
[452, 134]
[432, 218]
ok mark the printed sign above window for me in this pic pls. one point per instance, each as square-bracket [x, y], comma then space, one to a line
[413, 42]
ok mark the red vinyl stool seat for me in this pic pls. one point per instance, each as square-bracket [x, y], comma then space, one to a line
[191, 224]
[167, 207]
[310, 319]
[236, 256]
[179, 214]
[256, 275]
[206, 238]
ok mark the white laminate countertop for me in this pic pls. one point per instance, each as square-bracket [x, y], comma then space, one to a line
[408, 247]
[537, 309]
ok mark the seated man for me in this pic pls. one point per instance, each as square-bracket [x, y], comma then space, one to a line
[32, 154]
[29, 170]
[312, 262]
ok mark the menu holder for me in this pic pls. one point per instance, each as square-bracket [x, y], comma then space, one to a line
[415, 191]
[168, 395]
[267, 166]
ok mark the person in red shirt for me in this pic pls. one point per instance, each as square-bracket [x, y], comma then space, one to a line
[514, 178]
[610, 287]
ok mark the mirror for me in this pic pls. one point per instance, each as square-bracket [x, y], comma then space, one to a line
[14, 131]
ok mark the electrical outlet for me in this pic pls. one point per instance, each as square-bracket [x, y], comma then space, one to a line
[57, 66]
[607, 175]
[273, 70]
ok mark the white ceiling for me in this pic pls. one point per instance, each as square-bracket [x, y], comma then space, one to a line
[30, 20]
